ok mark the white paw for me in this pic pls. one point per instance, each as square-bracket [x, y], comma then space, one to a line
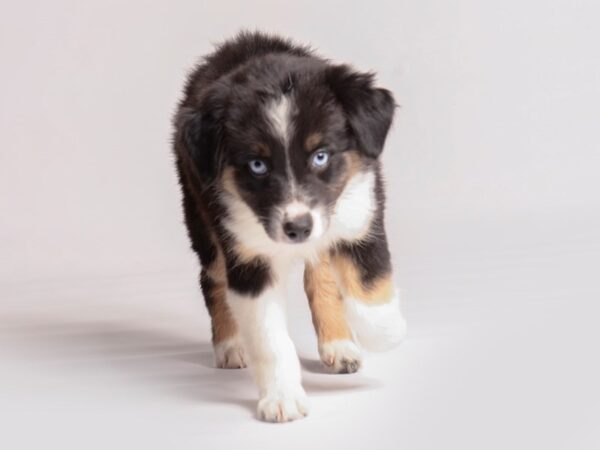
[342, 356]
[229, 354]
[283, 405]
[377, 327]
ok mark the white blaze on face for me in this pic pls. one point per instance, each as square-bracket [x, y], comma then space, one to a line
[295, 209]
[279, 113]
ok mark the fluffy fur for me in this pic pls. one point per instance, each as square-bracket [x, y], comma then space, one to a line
[277, 154]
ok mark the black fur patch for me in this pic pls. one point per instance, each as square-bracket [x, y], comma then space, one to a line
[371, 257]
[198, 231]
[369, 110]
[207, 285]
[249, 278]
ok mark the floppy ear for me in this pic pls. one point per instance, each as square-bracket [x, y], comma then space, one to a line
[369, 110]
[199, 139]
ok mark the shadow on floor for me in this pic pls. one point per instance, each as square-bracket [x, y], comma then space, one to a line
[124, 356]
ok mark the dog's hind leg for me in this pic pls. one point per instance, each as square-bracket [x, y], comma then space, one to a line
[336, 347]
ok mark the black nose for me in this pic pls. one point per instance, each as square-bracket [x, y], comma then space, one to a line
[298, 229]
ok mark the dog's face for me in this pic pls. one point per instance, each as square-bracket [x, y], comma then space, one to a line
[283, 138]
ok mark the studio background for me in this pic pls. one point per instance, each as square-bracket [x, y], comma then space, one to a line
[493, 215]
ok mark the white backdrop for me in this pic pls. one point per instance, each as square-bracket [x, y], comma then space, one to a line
[492, 169]
[499, 118]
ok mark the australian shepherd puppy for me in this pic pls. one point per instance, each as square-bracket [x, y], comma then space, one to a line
[277, 153]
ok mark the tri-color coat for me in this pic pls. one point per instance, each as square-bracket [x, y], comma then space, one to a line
[277, 154]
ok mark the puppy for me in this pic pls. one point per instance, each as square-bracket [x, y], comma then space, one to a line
[277, 154]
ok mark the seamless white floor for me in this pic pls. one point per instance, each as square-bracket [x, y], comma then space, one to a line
[502, 353]
[493, 215]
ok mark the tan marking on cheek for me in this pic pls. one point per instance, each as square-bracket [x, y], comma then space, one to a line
[313, 141]
[353, 165]
[228, 181]
[379, 291]
[325, 302]
[354, 161]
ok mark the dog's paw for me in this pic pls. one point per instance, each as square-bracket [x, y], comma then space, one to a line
[341, 356]
[229, 354]
[283, 405]
[377, 327]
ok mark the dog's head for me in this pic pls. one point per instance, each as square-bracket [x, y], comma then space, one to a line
[283, 137]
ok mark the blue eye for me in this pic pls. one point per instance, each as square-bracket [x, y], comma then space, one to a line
[257, 167]
[320, 159]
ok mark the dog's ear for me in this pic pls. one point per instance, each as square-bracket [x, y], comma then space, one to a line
[369, 110]
[200, 138]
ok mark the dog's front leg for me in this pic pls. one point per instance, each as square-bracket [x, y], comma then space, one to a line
[271, 353]
[372, 302]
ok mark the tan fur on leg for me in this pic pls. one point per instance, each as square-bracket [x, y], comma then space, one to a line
[380, 290]
[229, 353]
[335, 338]
[223, 325]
